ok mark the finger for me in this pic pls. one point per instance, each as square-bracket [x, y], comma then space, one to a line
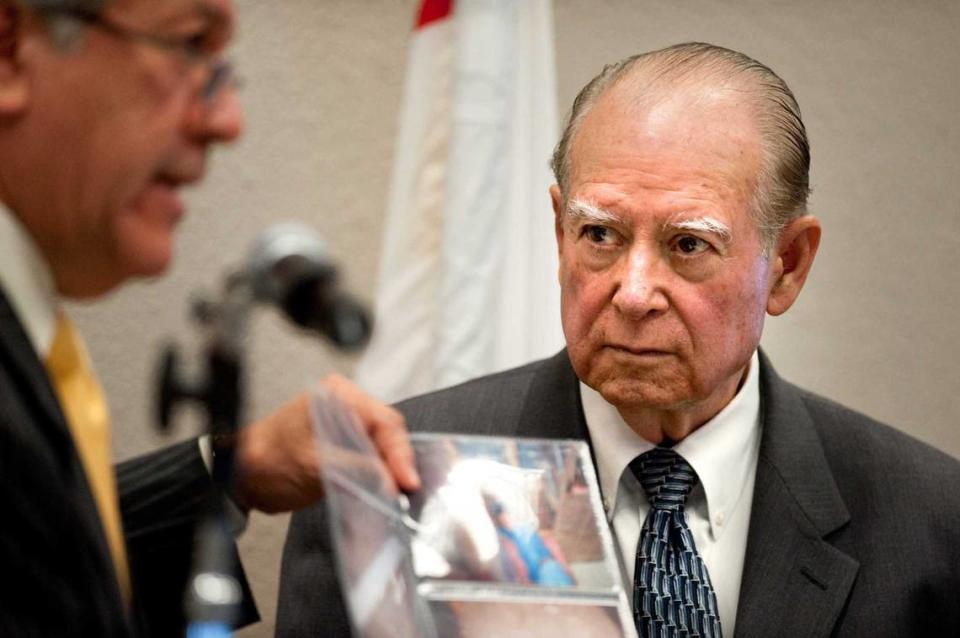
[368, 409]
[388, 428]
[391, 439]
[384, 424]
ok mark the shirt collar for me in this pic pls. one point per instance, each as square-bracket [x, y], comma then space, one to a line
[721, 451]
[27, 281]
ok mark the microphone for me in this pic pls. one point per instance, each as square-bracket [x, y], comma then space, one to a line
[289, 267]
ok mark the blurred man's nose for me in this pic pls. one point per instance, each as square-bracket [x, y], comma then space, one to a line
[219, 118]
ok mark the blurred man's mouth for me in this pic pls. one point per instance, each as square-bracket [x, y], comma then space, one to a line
[162, 198]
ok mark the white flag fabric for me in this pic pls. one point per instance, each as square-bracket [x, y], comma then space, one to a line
[468, 274]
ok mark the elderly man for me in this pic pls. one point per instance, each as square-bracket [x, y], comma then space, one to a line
[106, 110]
[743, 505]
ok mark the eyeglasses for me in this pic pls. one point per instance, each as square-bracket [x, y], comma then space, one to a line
[220, 74]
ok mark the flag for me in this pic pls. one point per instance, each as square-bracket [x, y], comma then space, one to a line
[468, 273]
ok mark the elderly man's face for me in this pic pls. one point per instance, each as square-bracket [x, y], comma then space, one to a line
[118, 127]
[664, 282]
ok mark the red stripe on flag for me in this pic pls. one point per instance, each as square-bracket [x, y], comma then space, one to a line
[432, 10]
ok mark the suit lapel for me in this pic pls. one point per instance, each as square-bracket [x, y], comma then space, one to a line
[794, 582]
[31, 378]
[552, 409]
[52, 432]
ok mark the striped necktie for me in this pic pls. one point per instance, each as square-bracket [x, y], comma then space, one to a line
[86, 412]
[672, 594]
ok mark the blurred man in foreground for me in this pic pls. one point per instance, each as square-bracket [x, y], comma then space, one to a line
[743, 505]
[107, 109]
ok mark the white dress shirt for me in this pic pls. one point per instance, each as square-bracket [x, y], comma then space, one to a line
[28, 283]
[723, 452]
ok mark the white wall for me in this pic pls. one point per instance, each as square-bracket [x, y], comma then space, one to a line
[877, 328]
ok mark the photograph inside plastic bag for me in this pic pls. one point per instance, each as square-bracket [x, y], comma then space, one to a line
[501, 527]
[518, 512]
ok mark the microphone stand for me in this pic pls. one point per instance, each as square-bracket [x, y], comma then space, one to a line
[214, 592]
[288, 268]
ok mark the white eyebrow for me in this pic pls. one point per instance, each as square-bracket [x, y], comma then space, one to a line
[581, 210]
[578, 209]
[702, 225]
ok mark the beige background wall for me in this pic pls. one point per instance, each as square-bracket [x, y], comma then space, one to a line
[877, 328]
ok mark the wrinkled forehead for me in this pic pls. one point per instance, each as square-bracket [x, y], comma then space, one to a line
[703, 130]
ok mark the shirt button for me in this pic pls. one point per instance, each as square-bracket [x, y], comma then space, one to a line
[718, 519]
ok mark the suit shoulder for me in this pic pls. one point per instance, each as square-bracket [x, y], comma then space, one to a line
[485, 400]
[878, 459]
[837, 423]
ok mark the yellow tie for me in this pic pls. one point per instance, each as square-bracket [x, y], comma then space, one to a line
[86, 410]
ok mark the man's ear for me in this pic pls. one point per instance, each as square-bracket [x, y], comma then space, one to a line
[13, 82]
[792, 261]
[556, 200]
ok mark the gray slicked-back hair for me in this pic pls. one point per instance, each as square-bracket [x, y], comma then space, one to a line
[783, 183]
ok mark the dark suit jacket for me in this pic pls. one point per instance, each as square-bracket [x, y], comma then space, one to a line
[57, 576]
[855, 528]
